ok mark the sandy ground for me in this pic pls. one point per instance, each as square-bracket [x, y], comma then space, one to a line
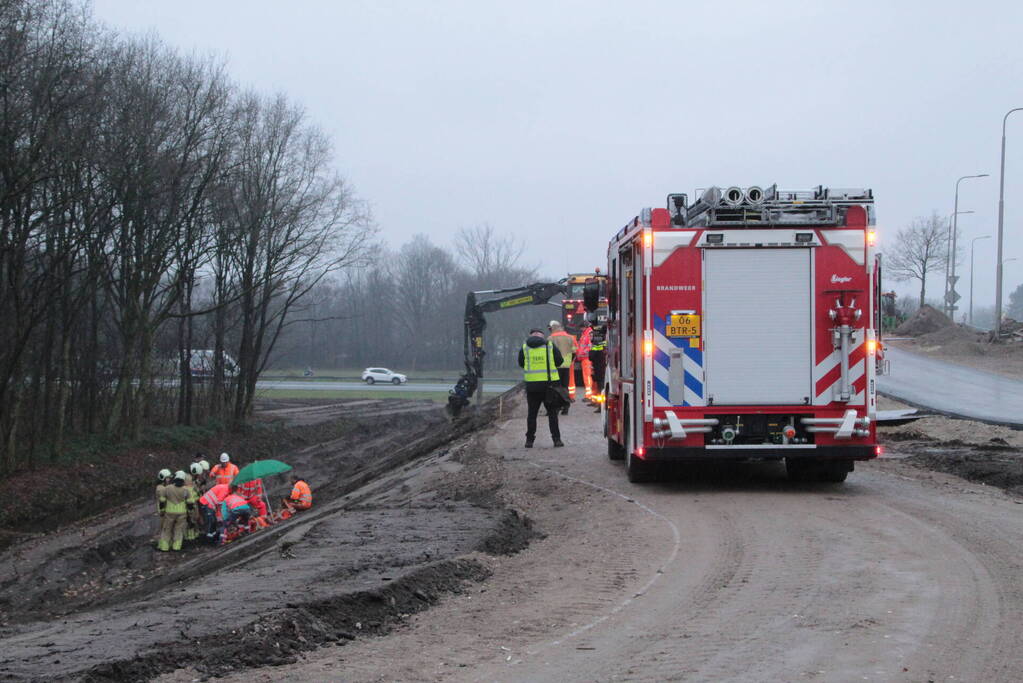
[721, 574]
[475, 559]
[94, 601]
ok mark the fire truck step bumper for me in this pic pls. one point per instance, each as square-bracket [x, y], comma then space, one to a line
[760, 452]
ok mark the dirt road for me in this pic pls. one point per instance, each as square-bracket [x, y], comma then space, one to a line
[436, 553]
[899, 574]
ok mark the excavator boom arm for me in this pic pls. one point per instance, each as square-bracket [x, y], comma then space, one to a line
[475, 323]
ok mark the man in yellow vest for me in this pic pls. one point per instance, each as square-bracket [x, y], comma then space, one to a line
[539, 359]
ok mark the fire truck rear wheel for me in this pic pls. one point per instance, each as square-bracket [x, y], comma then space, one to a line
[614, 450]
[638, 471]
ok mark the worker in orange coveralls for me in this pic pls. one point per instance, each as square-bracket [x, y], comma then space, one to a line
[252, 492]
[301, 495]
[225, 472]
[567, 346]
[585, 344]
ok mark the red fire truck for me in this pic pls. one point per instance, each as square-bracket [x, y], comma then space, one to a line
[744, 326]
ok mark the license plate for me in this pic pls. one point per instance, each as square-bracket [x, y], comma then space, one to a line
[686, 325]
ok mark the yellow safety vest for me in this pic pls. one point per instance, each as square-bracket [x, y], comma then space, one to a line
[538, 363]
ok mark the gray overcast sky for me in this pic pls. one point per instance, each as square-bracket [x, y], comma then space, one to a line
[559, 121]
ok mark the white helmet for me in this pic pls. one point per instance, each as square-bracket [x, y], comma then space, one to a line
[164, 474]
[205, 465]
[554, 324]
[180, 475]
[195, 468]
[225, 458]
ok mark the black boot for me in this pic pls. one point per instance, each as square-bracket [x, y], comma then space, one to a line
[529, 443]
[558, 443]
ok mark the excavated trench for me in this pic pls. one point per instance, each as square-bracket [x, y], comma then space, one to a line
[399, 516]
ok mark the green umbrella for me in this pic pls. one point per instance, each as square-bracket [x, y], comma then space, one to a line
[258, 470]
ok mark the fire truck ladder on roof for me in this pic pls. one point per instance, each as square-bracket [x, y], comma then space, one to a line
[757, 207]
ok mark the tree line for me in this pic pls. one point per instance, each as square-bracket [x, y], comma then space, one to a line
[406, 309]
[148, 206]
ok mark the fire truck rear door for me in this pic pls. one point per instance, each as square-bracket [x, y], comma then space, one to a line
[758, 326]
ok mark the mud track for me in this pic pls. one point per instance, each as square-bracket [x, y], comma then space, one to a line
[395, 525]
[716, 574]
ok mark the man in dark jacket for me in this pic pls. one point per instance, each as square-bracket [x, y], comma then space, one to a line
[539, 360]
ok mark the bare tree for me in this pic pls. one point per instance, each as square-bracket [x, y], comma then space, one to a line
[297, 222]
[489, 256]
[919, 249]
[165, 158]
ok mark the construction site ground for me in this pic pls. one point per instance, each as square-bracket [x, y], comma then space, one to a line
[446, 551]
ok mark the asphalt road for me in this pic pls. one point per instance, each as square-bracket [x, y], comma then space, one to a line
[952, 389]
[496, 387]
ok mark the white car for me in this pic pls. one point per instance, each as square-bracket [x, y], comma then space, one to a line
[374, 375]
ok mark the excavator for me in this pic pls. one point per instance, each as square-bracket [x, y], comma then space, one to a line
[585, 298]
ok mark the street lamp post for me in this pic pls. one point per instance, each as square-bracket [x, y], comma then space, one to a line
[955, 229]
[973, 243]
[948, 257]
[1001, 213]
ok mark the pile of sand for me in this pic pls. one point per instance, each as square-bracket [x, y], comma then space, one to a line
[956, 334]
[927, 319]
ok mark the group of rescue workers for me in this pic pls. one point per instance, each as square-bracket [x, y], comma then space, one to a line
[549, 361]
[204, 504]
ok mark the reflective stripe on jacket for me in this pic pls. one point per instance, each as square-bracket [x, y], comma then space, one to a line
[215, 495]
[251, 489]
[585, 342]
[233, 504]
[301, 494]
[538, 363]
[224, 474]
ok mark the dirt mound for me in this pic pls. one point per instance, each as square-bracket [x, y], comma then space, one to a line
[514, 533]
[993, 464]
[278, 637]
[927, 319]
[953, 334]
